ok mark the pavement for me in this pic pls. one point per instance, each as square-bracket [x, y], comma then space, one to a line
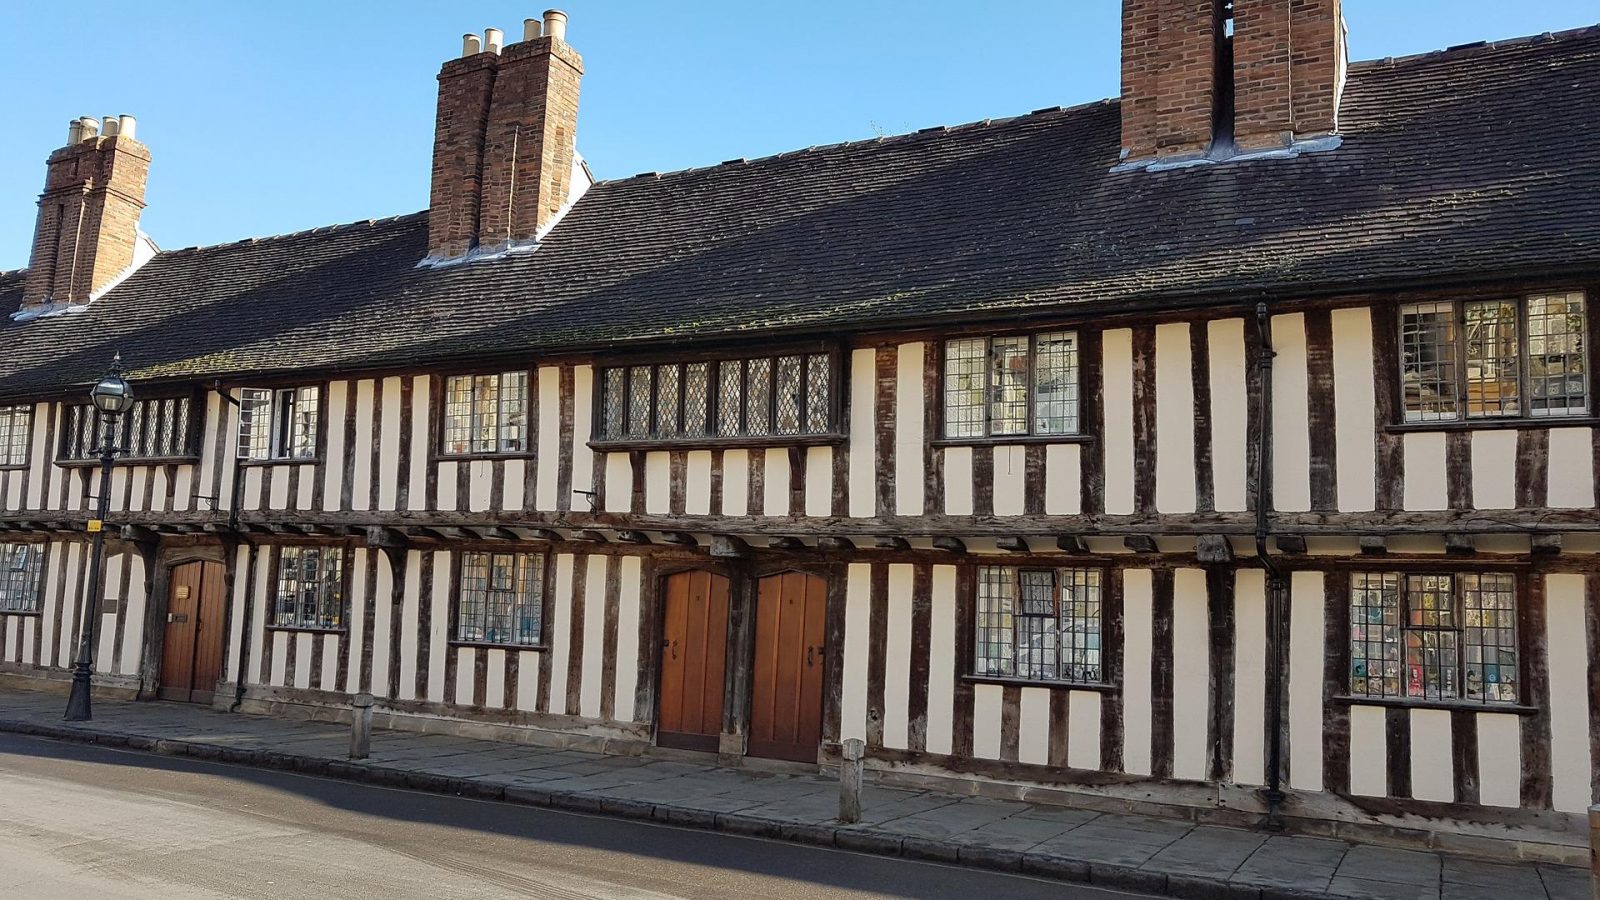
[1120, 852]
[210, 829]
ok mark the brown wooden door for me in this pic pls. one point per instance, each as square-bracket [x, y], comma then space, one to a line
[786, 689]
[694, 652]
[191, 651]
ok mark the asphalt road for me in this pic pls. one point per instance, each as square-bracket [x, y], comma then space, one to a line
[79, 821]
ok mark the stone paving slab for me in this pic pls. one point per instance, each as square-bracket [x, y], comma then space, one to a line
[1132, 853]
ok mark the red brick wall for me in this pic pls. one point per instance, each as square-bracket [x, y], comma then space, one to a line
[1287, 59]
[88, 221]
[1168, 75]
[465, 88]
[532, 139]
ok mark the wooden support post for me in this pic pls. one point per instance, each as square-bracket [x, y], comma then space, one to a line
[361, 726]
[1594, 850]
[850, 781]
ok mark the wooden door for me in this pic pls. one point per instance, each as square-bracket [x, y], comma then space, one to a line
[786, 689]
[191, 651]
[694, 652]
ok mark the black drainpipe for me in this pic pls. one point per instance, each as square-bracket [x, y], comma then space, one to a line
[248, 612]
[1275, 574]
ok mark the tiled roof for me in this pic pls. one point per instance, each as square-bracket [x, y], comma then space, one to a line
[1472, 163]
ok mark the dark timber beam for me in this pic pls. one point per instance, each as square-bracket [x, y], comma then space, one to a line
[1071, 543]
[1140, 543]
[1460, 545]
[1374, 545]
[949, 545]
[1291, 543]
[446, 533]
[495, 533]
[1213, 550]
[728, 547]
[1013, 544]
[1546, 544]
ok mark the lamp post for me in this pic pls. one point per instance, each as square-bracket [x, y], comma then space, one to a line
[112, 397]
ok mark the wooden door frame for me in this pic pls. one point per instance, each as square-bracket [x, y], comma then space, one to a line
[158, 586]
[833, 579]
[737, 590]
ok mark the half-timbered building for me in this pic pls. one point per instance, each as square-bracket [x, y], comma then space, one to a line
[1228, 449]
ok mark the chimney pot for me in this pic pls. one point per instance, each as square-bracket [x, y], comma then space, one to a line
[90, 128]
[493, 40]
[471, 45]
[74, 133]
[555, 24]
[127, 126]
[532, 29]
[110, 127]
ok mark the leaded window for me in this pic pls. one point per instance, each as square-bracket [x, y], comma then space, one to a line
[486, 414]
[157, 428]
[501, 598]
[1011, 386]
[730, 398]
[1039, 624]
[278, 424]
[310, 588]
[1488, 359]
[15, 428]
[21, 568]
[1434, 637]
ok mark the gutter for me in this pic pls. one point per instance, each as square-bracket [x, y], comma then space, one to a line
[1276, 593]
[243, 650]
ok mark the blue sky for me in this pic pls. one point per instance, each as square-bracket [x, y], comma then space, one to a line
[265, 118]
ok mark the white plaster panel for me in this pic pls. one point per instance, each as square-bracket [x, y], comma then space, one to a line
[1063, 480]
[1571, 475]
[1083, 730]
[1369, 751]
[628, 612]
[1175, 465]
[421, 446]
[1191, 674]
[857, 619]
[910, 415]
[411, 605]
[1427, 481]
[1500, 766]
[1033, 726]
[516, 473]
[1355, 410]
[1010, 480]
[1569, 707]
[863, 440]
[560, 631]
[1229, 414]
[987, 702]
[941, 650]
[819, 481]
[302, 659]
[494, 682]
[1432, 776]
[619, 482]
[466, 660]
[383, 611]
[1138, 609]
[1306, 654]
[657, 482]
[389, 438]
[528, 681]
[958, 481]
[445, 484]
[697, 483]
[775, 483]
[333, 466]
[1117, 394]
[480, 484]
[897, 658]
[549, 458]
[736, 483]
[439, 625]
[594, 637]
[1291, 415]
[582, 427]
[361, 477]
[1494, 468]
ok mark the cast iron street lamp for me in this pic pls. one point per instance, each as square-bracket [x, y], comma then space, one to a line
[112, 397]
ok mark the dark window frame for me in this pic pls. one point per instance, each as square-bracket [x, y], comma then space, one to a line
[80, 431]
[1083, 337]
[14, 411]
[318, 624]
[441, 428]
[1102, 575]
[281, 430]
[538, 581]
[13, 578]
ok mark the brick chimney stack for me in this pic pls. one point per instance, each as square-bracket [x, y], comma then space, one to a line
[505, 140]
[1218, 77]
[88, 225]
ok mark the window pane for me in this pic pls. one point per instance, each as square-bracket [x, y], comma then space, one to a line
[1557, 362]
[255, 424]
[1489, 606]
[303, 437]
[696, 398]
[1375, 635]
[1428, 361]
[1492, 367]
[513, 412]
[1430, 601]
[14, 423]
[667, 401]
[310, 588]
[1432, 644]
[612, 405]
[1080, 625]
[730, 400]
[1036, 625]
[758, 397]
[1008, 386]
[639, 391]
[485, 413]
[1055, 400]
[21, 568]
[963, 388]
[458, 415]
[818, 398]
[502, 598]
[789, 397]
[996, 624]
